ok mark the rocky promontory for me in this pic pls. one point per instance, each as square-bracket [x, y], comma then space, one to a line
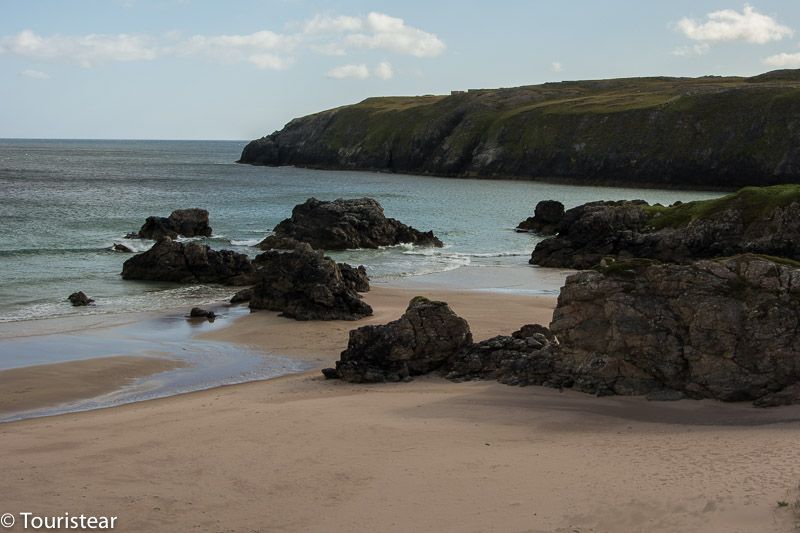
[763, 220]
[709, 131]
[344, 224]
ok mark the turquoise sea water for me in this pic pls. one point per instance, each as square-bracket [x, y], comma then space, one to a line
[65, 203]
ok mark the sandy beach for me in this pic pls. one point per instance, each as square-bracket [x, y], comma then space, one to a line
[300, 453]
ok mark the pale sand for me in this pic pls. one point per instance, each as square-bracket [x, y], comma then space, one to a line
[303, 454]
[32, 387]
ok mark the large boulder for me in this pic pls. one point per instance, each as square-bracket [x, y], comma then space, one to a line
[305, 285]
[345, 224]
[180, 223]
[764, 220]
[189, 262]
[727, 329]
[79, 299]
[420, 341]
[546, 218]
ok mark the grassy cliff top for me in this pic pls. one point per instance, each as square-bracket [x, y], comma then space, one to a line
[754, 203]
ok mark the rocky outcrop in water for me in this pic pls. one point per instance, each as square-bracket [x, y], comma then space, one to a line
[418, 342]
[189, 262]
[546, 218]
[763, 220]
[199, 312]
[305, 285]
[180, 223]
[79, 299]
[344, 224]
[117, 247]
[709, 131]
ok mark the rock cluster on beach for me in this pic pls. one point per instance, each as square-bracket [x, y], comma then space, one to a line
[546, 218]
[762, 220]
[420, 341]
[180, 223]
[727, 329]
[345, 224]
[189, 262]
[305, 285]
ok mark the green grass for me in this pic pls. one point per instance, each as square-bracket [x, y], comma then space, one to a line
[754, 202]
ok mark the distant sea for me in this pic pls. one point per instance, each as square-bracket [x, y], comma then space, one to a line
[64, 203]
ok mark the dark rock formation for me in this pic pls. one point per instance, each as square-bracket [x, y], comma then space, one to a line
[274, 242]
[418, 342]
[305, 285]
[78, 299]
[199, 312]
[121, 248]
[343, 224]
[189, 262]
[355, 277]
[526, 357]
[180, 223]
[242, 296]
[546, 218]
[708, 131]
[757, 220]
[726, 329]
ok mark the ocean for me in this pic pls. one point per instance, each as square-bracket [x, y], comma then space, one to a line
[64, 204]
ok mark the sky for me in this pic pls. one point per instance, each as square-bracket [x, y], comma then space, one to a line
[241, 69]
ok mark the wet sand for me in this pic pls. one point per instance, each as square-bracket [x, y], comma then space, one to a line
[33, 387]
[300, 453]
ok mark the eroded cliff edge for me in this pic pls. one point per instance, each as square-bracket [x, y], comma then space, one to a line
[700, 132]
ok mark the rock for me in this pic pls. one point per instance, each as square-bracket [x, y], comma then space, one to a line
[273, 242]
[526, 357]
[546, 218]
[78, 299]
[243, 295]
[330, 373]
[355, 277]
[727, 329]
[180, 223]
[420, 341]
[132, 235]
[198, 312]
[189, 262]
[763, 220]
[121, 248]
[345, 224]
[305, 285]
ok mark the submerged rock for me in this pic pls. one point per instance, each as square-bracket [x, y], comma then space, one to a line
[305, 285]
[180, 223]
[78, 299]
[199, 312]
[546, 218]
[764, 220]
[189, 262]
[418, 342]
[344, 224]
[122, 248]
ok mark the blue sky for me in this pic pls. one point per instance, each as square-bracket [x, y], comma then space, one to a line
[193, 69]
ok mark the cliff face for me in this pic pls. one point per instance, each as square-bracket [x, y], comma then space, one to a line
[708, 132]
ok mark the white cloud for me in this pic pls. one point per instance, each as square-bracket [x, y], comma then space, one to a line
[35, 74]
[86, 50]
[556, 66]
[358, 72]
[784, 60]
[384, 70]
[264, 49]
[328, 35]
[698, 49]
[730, 25]
[392, 34]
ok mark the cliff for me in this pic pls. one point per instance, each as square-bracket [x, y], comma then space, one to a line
[700, 132]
